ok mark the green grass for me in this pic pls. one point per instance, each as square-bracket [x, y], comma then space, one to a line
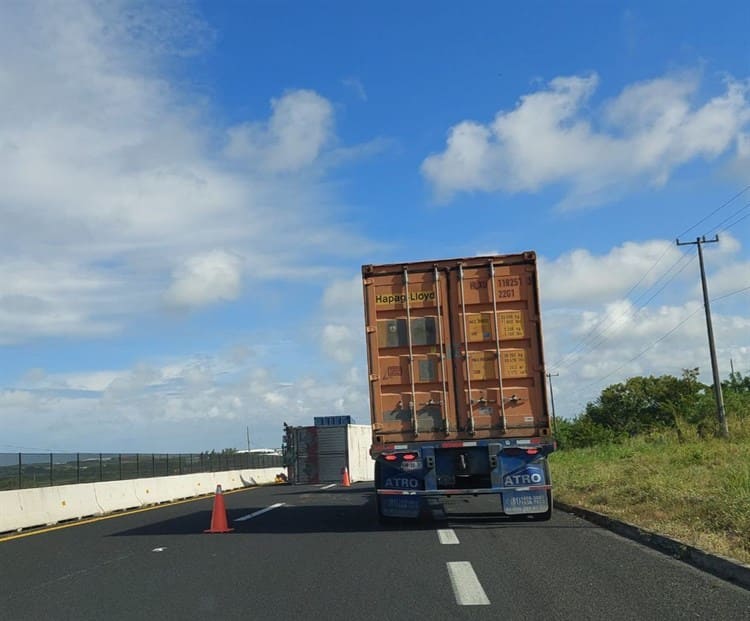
[693, 489]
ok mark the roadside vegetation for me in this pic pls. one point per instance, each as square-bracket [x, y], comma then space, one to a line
[647, 452]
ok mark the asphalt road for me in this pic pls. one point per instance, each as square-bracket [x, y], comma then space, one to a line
[322, 555]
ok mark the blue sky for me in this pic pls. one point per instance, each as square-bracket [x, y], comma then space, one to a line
[188, 191]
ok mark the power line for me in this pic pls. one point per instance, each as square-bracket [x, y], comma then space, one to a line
[600, 337]
[729, 226]
[715, 211]
[656, 342]
[591, 334]
[591, 339]
[718, 228]
[730, 294]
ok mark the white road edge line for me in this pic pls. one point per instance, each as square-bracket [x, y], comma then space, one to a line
[466, 586]
[261, 512]
[328, 486]
[447, 536]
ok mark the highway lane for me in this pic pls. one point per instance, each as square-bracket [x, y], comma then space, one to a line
[312, 553]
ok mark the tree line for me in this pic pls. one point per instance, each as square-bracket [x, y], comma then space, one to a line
[645, 405]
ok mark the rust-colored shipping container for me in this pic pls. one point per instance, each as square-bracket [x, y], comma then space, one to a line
[455, 353]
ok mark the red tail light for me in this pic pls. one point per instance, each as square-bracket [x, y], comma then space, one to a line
[532, 451]
[390, 457]
[409, 456]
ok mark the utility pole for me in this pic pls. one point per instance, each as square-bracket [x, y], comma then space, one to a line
[721, 415]
[247, 429]
[552, 398]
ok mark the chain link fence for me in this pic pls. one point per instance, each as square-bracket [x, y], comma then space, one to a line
[24, 470]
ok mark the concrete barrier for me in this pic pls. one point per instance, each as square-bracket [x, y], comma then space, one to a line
[19, 508]
[42, 506]
[152, 491]
[71, 502]
[116, 496]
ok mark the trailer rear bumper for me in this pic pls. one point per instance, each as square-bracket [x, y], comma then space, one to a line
[460, 492]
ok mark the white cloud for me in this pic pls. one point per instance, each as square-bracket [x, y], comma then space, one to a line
[580, 278]
[727, 280]
[342, 336]
[594, 337]
[190, 404]
[108, 173]
[553, 136]
[42, 300]
[300, 126]
[203, 279]
[339, 342]
[344, 296]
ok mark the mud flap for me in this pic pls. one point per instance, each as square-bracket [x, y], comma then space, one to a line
[399, 506]
[517, 472]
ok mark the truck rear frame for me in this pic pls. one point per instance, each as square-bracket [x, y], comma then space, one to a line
[457, 393]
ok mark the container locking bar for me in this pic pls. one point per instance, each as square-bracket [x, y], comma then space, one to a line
[441, 341]
[497, 346]
[467, 356]
[413, 405]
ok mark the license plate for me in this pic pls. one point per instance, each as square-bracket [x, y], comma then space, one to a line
[411, 465]
[515, 503]
[399, 506]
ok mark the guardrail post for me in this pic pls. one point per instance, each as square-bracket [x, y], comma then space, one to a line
[119, 464]
[51, 478]
[137, 465]
[78, 467]
[153, 465]
[101, 468]
[20, 469]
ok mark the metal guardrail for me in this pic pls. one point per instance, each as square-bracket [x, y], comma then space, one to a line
[25, 470]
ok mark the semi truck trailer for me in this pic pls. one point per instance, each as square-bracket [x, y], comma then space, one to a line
[457, 384]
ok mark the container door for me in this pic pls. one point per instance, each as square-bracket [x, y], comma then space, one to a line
[410, 367]
[495, 324]
[331, 453]
[305, 457]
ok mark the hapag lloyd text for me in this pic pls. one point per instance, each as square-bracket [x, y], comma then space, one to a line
[400, 298]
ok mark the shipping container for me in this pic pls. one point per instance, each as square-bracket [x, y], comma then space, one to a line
[457, 380]
[319, 454]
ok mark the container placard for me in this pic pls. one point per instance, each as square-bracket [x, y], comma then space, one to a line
[511, 325]
[514, 363]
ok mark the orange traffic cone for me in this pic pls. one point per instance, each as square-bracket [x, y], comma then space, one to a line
[345, 482]
[219, 515]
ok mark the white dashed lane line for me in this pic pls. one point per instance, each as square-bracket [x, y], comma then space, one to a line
[447, 536]
[466, 585]
[329, 486]
[261, 512]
